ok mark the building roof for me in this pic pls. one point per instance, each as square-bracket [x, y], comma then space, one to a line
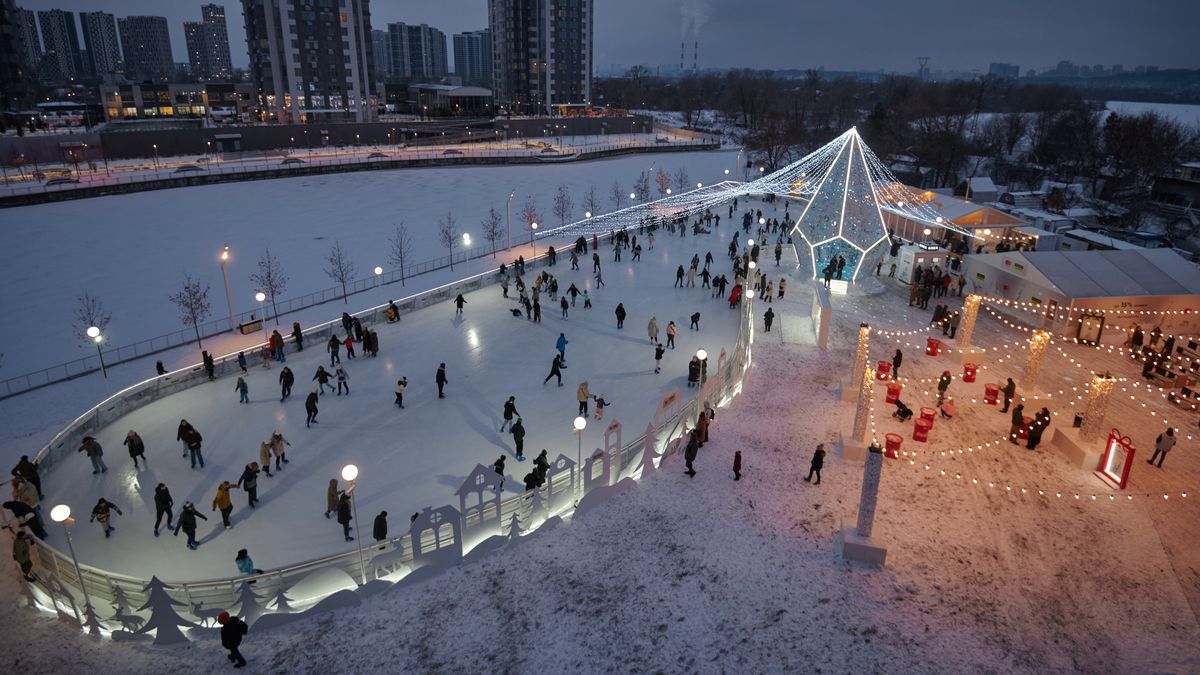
[1091, 274]
[453, 89]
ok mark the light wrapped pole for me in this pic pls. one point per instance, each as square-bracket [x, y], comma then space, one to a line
[867, 501]
[862, 412]
[1038, 342]
[1098, 396]
[860, 356]
[969, 311]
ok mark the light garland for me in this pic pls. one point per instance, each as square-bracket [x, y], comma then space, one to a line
[1097, 406]
[863, 409]
[862, 352]
[1033, 365]
[970, 312]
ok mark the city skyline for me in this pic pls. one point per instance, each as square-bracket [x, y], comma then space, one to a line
[889, 37]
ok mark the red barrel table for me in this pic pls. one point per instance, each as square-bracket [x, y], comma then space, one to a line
[893, 392]
[932, 345]
[891, 445]
[990, 393]
[921, 430]
[1024, 433]
[928, 414]
[969, 371]
[883, 371]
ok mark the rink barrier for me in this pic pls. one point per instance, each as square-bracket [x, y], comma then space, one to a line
[439, 538]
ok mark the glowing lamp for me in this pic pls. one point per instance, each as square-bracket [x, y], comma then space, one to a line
[928, 232]
[225, 253]
[749, 242]
[467, 238]
[726, 172]
[750, 294]
[939, 219]
[752, 264]
[378, 270]
[260, 296]
[632, 195]
[533, 226]
[60, 513]
[587, 214]
[93, 332]
[580, 423]
[762, 221]
[668, 190]
[349, 472]
[699, 185]
[701, 354]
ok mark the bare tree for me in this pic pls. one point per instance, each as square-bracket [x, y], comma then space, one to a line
[562, 205]
[493, 228]
[341, 267]
[89, 311]
[641, 187]
[401, 249]
[591, 201]
[616, 194]
[192, 301]
[681, 179]
[664, 183]
[448, 234]
[530, 213]
[270, 280]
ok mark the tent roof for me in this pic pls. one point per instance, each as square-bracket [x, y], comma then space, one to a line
[1092, 274]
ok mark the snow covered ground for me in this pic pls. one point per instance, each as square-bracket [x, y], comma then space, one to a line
[132, 251]
[712, 575]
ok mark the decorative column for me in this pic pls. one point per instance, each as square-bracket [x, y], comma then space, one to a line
[860, 357]
[872, 470]
[967, 326]
[1038, 342]
[866, 388]
[1098, 395]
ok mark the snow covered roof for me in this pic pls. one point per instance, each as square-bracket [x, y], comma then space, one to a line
[982, 184]
[1091, 274]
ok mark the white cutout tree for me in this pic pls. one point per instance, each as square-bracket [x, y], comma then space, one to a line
[514, 527]
[164, 620]
[648, 452]
[281, 601]
[250, 605]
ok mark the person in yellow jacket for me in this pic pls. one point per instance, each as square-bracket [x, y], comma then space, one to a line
[223, 502]
[583, 395]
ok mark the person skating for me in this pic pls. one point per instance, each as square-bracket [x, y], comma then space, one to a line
[620, 314]
[1017, 422]
[518, 434]
[695, 324]
[298, 336]
[286, 380]
[659, 350]
[897, 359]
[587, 301]
[242, 389]
[401, 385]
[224, 502]
[556, 367]
[562, 304]
[679, 274]
[348, 343]
[814, 467]
[279, 447]
[331, 497]
[343, 381]
[1009, 390]
[671, 331]
[232, 631]
[768, 318]
[541, 464]
[344, 515]
[601, 404]
[583, 395]
[310, 408]
[29, 471]
[245, 564]
[1162, 445]
[321, 377]
[23, 554]
[379, 527]
[573, 291]
[498, 467]
[192, 442]
[248, 481]
[510, 410]
[209, 365]
[689, 454]
[440, 379]
[136, 447]
[187, 523]
[561, 345]
[162, 506]
[264, 456]
[95, 453]
[537, 311]
[737, 465]
[102, 512]
[334, 347]
[241, 360]
[459, 301]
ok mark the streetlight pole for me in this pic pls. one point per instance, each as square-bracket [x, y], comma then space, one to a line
[228, 296]
[703, 356]
[62, 514]
[580, 424]
[532, 231]
[349, 474]
[262, 309]
[156, 156]
[508, 216]
[93, 332]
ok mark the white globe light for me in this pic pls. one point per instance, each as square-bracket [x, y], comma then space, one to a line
[762, 221]
[726, 172]
[349, 472]
[260, 296]
[378, 270]
[939, 219]
[61, 512]
[928, 232]
[668, 190]
[580, 423]
[750, 294]
[466, 238]
[533, 226]
[753, 264]
[701, 354]
[92, 331]
[587, 214]
[632, 195]
[762, 169]
[699, 185]
[749, 242]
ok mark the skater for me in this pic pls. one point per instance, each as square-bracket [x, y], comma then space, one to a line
[379, 527]
[518, 434]
[187, 523]
[897, 359]
[679, 273]
[1009, 391]
[310, 408]
[344, 516]
[136, 447]
[458, 303]
[334, 346]
[573, 291]
[814, 467]
[264, 456]
[556, 367]
[583, 395]
[601, 404]
[223, 501]
[102, 512]
[343, 381]
[537, 311]
[209, 365]
[620, 312]
[245, 564]
[1162, 445]
[689, 454]
[322, 379]
[401, 385]
[652, 329]
[286, 380]
[671, 330]
[348, 343]
[768, 317]
[498, 467]
[587, 302]
[232, 630]
[248, 481]
[242, 362]
[23, 554]
[94, 453]
[659, 350]
[298, 336]
[737, 465]
[510, 410]
[695, 324]
[162, 506]
[562, 304]
[279, 447]
[242, 389]
[331, 497]
[441, 380]
[29, 471]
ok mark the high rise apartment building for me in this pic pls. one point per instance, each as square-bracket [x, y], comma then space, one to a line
[381, 45]
[418, 52]
[208, 44]
[100, 38]
[473, 57]
[62, 61]
[541, 53]
[146, 46]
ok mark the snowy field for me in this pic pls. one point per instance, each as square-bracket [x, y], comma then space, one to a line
[1188, 115]
[709, 575]
[410, 458]
[132, 251]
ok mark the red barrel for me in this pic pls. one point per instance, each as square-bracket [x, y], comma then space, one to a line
[921, 430]
[969, 370]
[990, 393]
[891, 445]
[1024, 433]
[928, 414]
[932, 345]
[884, 371]
[893, 392]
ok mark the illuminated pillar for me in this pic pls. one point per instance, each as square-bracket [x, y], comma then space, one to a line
[1098, 395]
[872, 470]
[860, 357]
[967, 326]
[866, 387]
[1038, 342]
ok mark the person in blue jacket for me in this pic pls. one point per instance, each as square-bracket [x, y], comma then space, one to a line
[245, 565]
[561, 346]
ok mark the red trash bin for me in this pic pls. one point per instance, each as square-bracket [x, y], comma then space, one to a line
[883, 372]
[893, 392]
[969, 370]
[932, 345]
[1024, 433]
[990, 393]
[921, 430]
[929, 414]
[891, 445]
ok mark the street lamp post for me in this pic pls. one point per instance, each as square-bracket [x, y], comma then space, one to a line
[225, 277]
[349, 474]
[155, 155]
[262, 309]
[532, 231]
[580, 424]
[378, 276]
[94, 333]
[508, 216]
[62, 514]
[703, 356]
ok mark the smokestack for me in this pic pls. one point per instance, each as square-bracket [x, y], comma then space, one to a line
[696, 57]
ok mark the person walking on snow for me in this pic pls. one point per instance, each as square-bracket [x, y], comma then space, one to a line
[818, 460]
[689, 453]
[223, 501]
[458, 303]
[232, 631]
[94, 453]
[1162, 445]
[768, 318]
[583, 395]
[1009, 391]
[187, 523]
[162, 506]
[136, 447]
[897, 359]
[510, 410]
[440, 378]
[102, 512]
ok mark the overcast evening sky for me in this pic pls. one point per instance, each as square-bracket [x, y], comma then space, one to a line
[837, 34]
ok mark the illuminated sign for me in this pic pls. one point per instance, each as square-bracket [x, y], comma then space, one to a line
[1117, 460]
